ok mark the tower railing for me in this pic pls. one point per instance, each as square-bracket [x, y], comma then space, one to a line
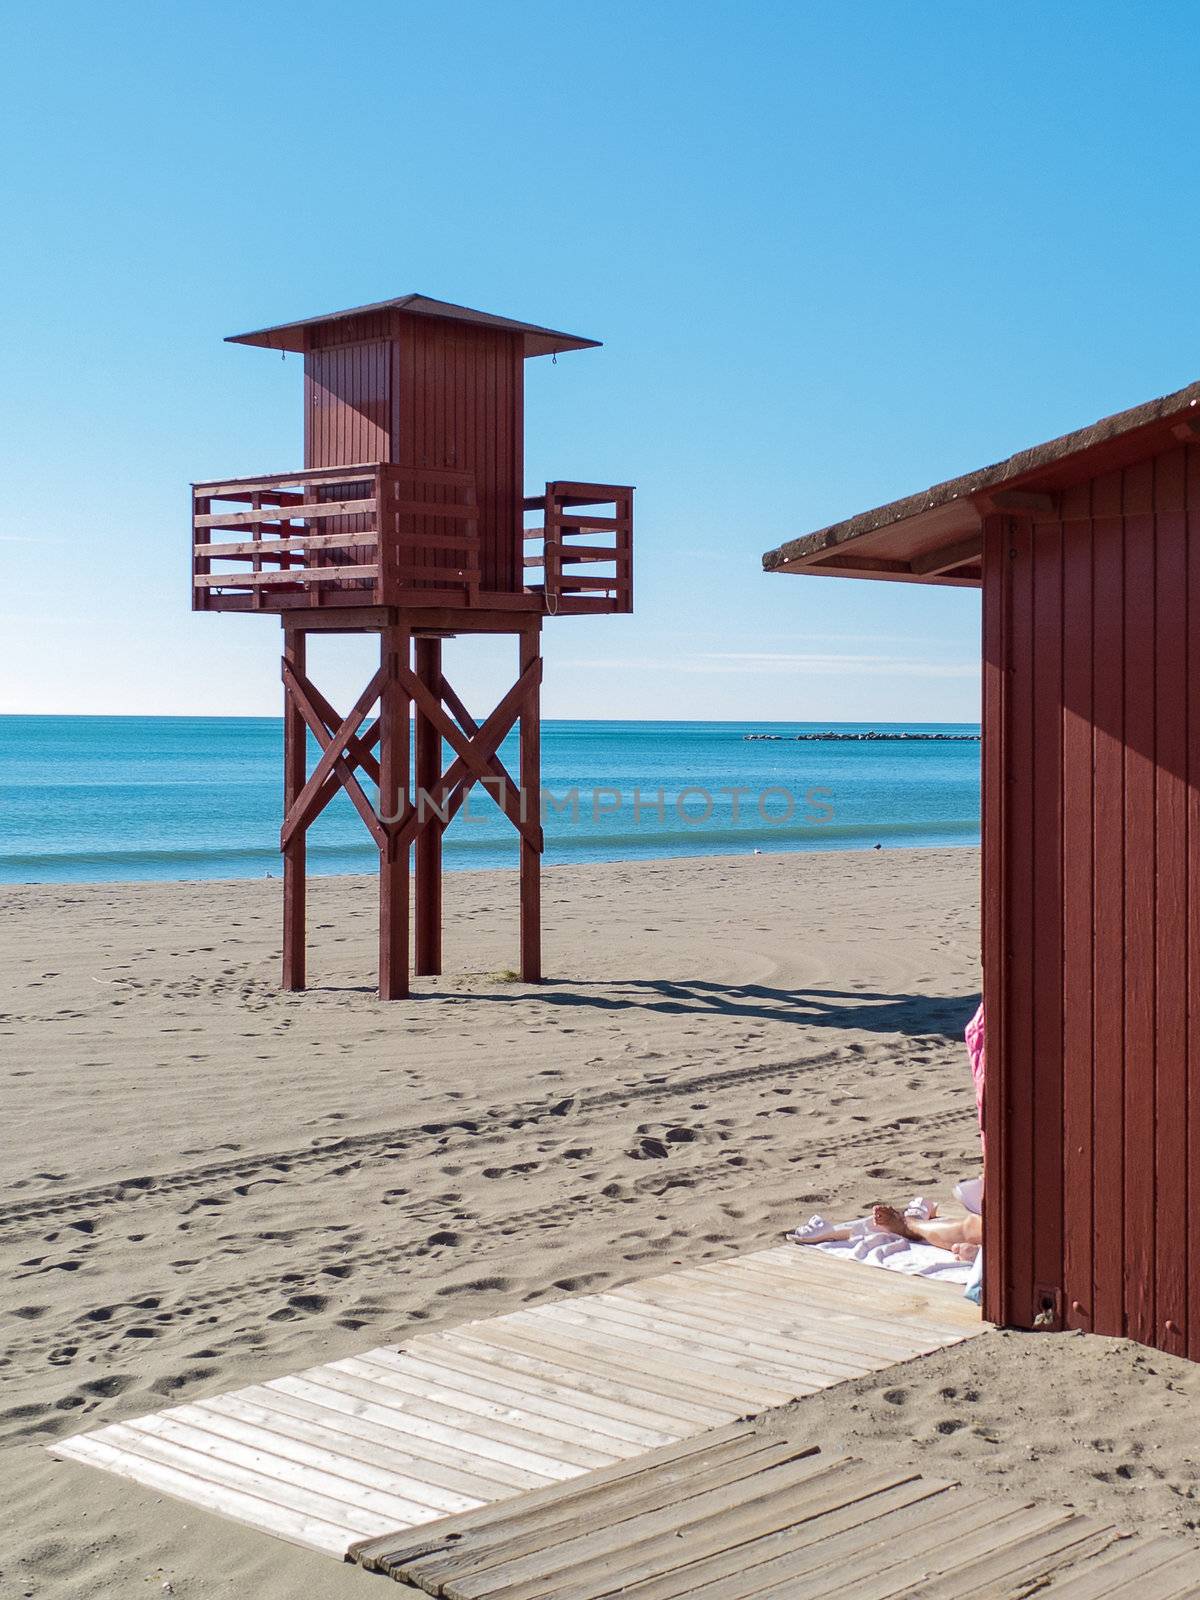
[586, 554]
[380, 534]
[375, 534]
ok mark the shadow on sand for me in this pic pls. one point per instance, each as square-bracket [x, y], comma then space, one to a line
[942, 1015]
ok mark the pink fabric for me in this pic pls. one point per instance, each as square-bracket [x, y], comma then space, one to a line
[974, 1038]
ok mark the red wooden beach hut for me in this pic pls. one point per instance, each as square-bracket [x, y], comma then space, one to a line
[1087, 550]
[408, 521]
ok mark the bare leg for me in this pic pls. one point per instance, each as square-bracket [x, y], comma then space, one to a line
[943, 1232]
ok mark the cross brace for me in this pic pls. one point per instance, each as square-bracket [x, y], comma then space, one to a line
[405, 814]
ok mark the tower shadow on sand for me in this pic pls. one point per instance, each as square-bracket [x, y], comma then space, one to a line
[944, 1016]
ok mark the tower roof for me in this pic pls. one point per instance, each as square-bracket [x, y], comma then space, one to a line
[295, 335]
[913, 540]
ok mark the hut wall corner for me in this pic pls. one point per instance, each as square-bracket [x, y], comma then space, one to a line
[1091, 935]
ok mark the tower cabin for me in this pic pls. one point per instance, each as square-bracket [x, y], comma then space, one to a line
[410, 520]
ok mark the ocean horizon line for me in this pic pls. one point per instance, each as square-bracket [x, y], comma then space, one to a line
[235, 716]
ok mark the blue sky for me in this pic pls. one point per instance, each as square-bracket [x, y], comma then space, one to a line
[835, 253]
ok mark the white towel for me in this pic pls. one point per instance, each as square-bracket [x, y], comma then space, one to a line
[860, 1240]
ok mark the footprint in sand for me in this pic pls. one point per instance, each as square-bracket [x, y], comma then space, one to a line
[309, 1302]
[649, 1149]
[106, 1388]
[476, 1286]
[180, 1380]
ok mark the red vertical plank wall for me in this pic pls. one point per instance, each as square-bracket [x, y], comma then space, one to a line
[1099, 1304]
[1171, 713]
[457, 402]
[347, 404]
[1042, 553]
[1138, 745]
[997, 604]
[1078, 907]
[1091, 925]
[347, 414]
[428, 392]
[1189, 1226]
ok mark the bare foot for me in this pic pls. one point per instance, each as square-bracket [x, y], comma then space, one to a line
[888, 1220]
[965, 1252]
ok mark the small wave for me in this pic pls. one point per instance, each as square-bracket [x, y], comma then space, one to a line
[52, 860]
[484, 848]
[701, 835]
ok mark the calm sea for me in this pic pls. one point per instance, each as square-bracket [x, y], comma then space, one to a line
[199, 797]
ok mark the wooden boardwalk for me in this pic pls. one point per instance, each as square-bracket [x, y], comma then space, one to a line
[467, 1416]
[739, 1515]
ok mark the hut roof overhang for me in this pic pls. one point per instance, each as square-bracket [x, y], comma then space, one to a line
[297, 336]
[936, 536]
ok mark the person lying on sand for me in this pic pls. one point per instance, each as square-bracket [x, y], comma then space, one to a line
[920, 1220]
[962, 1236]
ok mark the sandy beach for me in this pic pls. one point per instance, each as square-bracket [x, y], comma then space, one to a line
[208, 1183]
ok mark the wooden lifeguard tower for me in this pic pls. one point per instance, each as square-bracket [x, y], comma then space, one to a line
[408, 520]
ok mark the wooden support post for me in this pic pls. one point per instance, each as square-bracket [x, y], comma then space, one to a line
[429, 838]
[531, 803]
[394, 737]
[295, 767]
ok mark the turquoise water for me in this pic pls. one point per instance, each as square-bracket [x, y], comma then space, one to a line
[119, 798]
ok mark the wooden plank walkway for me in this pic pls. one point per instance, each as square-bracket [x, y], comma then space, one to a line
[739, 1515]
[466, 1416]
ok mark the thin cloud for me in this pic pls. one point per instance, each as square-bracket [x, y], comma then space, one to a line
[809, 658]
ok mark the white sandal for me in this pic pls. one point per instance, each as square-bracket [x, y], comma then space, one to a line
[817, 1231]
